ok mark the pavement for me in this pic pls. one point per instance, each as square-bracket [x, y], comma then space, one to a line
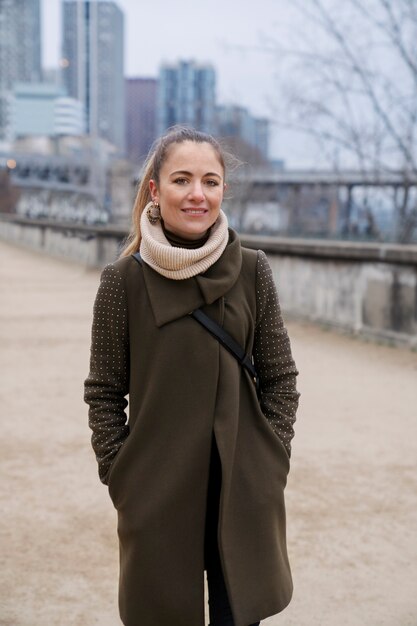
[351, 494]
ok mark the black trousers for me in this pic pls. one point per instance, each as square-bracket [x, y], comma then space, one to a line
[219, 608]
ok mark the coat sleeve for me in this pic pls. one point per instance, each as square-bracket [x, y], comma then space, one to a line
[107, 384]
[273, 359]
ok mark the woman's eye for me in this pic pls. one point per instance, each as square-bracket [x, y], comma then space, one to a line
[212, 183]
[180, 181]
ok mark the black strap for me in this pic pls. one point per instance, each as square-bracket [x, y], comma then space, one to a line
[226, 341]
[222, 337]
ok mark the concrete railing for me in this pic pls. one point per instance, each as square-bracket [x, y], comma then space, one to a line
[368, 289]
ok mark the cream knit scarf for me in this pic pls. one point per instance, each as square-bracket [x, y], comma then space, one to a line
[181, 263]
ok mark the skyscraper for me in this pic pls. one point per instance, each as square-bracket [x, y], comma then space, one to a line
[234, 121]
[92, 65]
[20, 50]
[140, 117]
[186, 95]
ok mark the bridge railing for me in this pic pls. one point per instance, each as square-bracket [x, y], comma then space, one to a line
[350, 204]
[368, 289]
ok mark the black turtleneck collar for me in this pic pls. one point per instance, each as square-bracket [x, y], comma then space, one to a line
[179, 242]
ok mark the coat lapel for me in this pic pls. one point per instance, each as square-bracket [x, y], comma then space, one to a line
[172, 299]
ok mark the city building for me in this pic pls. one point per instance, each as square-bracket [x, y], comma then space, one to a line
[261, 136]
[52, 75]
[186, 95]
[236, 122]
[141, 98]
[20, 50]
[42, 109]
[92, 65]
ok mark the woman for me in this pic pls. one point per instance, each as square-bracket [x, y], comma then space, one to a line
[197, 474]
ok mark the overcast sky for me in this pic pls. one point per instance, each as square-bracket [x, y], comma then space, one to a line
[226, 33]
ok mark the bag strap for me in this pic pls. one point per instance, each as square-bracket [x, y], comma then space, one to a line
[227, 342]
[222, 337]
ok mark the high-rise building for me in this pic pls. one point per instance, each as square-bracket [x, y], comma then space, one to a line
[237, 122]
[186, 95]
[141, 130]
[20, 50]
[92, 65]
[262, 130]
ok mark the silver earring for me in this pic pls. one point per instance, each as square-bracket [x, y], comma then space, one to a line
[153, 212]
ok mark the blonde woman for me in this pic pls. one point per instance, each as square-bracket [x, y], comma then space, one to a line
[198, 470]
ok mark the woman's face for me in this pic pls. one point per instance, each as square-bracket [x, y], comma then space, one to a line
[190, 190]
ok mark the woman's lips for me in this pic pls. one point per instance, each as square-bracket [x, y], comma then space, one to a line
[194, 211]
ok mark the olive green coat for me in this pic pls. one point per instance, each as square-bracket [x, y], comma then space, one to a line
[183, 385]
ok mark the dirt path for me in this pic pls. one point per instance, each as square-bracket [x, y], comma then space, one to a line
[352, 493]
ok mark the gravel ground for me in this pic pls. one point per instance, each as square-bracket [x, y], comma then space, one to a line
[351, 496]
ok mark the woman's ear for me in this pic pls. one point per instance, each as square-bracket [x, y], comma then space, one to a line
[154, 191]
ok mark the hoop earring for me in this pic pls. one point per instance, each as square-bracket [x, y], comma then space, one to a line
[153, 212]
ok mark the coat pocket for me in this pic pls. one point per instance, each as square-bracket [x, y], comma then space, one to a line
[113, 471]
[273, 448]
[282, 451]
[268, 428]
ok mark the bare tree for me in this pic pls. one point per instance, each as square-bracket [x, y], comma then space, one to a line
[240, 157]
[352, 86]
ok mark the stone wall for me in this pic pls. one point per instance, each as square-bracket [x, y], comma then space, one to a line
[362, 288]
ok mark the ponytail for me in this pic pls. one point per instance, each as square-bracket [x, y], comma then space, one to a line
[143, 196]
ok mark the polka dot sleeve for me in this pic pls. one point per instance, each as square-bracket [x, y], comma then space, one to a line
[273, 359]
[108, 381]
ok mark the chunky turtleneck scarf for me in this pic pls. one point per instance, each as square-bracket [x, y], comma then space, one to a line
[181, 263]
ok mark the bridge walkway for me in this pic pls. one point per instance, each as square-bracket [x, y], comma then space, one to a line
[351, 497]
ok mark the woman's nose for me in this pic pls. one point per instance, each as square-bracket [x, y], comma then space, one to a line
[196, 192]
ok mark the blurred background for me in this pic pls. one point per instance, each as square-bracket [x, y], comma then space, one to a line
[317, 101]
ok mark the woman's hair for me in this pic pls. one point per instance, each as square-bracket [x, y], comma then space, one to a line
[152, 169]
